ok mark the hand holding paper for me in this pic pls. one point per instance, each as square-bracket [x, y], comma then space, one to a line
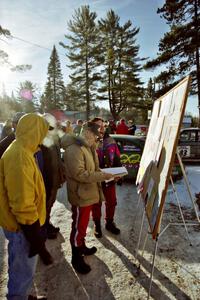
[108, 176]
[116, 172]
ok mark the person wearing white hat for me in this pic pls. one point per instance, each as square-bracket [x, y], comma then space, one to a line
[52, 170]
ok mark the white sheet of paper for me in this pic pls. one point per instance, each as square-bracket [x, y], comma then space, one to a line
[121, 171]
[117, 172]
[150, 187]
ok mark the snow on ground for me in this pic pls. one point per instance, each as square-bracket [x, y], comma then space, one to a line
[115, 269]
[193, 176]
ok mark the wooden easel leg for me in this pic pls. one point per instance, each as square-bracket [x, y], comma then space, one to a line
[140, 234]
[152, 268]
[187, 185]
[179, 206]
[136, 209]
[144, 245]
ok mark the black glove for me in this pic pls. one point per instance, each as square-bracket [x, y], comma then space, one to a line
[120, 181]
[34, 237]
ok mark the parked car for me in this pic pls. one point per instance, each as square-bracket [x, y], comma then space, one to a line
[189, 144]
[131, 148]
[141, 130]
[1, 128]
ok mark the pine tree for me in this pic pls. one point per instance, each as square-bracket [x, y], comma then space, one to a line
[150, 90]
[26, 96]
[120, 82]
[8, 105]
[54, 94]
[179, 48]
[73, 96]
[82, 53]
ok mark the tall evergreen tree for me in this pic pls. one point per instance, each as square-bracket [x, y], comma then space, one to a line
[150, 90]
[73, 96]
[8, 105]
[179, 48]
[54, 94]
[120, 80]
[26, 96]
[82, 53]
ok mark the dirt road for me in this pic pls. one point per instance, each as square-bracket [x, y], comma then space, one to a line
[115, 273]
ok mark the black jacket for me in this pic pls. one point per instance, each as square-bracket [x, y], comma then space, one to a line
[6, 142]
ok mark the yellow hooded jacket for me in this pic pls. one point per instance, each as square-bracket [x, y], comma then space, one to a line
[22, 191]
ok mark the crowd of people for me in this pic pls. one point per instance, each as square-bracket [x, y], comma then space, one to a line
[31, 172]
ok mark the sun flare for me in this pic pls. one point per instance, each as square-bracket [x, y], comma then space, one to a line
[4, 74]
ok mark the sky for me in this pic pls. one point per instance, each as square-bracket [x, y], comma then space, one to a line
[44, 23]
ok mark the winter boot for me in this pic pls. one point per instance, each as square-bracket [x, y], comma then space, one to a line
[198, 202]
[197, 195]
[51, 235]
[110, 226]
[78, 262]
[88, 251]
[30, 297]
[51, 231]
[52, 228]
[45, 256]
[97, 229]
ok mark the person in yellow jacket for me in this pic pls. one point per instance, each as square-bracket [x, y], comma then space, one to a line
[22, 202]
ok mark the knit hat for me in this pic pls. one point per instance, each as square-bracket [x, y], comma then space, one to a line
[50, 119]
[18, 116]
[93, 127]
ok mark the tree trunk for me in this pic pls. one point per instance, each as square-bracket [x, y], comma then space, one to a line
[87, 89]
[54, 88]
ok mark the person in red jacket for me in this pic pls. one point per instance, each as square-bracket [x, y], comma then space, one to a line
[122, 128]
[109, 156]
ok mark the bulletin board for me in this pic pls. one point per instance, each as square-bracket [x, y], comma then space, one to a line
[159, 152]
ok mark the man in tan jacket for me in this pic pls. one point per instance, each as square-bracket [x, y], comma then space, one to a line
[84, 179]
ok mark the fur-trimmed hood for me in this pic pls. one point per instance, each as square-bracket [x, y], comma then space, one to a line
[68, 140]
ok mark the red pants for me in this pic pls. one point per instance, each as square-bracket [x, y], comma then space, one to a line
[80, 220]
[110, 203]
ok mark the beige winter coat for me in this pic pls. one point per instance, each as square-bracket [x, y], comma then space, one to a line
[83, 175]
